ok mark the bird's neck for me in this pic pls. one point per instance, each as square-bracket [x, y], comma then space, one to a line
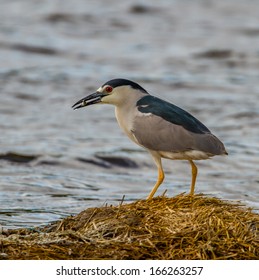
[125, 119]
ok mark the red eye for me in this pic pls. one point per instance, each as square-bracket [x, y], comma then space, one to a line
[108, 89]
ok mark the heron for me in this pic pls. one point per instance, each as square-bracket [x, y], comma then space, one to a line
[162, 128]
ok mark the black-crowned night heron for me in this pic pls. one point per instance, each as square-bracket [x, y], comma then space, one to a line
[160, 127]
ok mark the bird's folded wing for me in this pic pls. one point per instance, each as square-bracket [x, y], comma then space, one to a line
[155, 133]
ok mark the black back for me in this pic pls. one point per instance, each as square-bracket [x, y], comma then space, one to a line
[171, 113]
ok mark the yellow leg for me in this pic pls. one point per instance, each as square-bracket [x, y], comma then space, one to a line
[194, 175]
[160, 179]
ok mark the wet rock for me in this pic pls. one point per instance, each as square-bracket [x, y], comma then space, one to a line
[118, 161]
[141, 9]
[245, 114]
[109, 161]
[59, 17]
[19, 158]
[25, 96]
[95, 162]
[48, 162]
[251, 32]
[29, 48]
[34, 49]
[215, 54]
[67, 17]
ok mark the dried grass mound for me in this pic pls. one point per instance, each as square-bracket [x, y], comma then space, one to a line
[181, 227]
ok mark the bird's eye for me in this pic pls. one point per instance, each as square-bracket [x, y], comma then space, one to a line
[108, 89]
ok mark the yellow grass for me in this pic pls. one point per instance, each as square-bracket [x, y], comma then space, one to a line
[182, 227]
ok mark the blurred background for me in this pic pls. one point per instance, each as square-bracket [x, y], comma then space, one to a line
[201, 55]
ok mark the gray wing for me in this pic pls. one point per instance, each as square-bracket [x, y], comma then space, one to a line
[155, 133]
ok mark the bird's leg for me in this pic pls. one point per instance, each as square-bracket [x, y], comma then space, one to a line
[160, 179]
[161, 175]
[194, 175]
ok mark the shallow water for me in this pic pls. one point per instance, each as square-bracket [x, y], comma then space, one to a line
[200, 55]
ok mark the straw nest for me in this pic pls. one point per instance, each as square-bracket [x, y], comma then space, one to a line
[182, 227]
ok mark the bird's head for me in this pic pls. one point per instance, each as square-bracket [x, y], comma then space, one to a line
[114, 92]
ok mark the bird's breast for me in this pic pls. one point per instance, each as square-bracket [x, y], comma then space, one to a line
[125, 119]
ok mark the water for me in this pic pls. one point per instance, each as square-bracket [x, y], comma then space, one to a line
[201, 55]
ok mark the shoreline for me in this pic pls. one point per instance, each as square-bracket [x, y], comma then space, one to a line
[182, 227]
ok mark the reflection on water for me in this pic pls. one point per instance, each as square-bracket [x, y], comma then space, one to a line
[55, 161]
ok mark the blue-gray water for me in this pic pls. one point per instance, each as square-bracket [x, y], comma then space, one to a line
[201, 55]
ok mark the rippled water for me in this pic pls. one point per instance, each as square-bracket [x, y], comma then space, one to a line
[201, 55]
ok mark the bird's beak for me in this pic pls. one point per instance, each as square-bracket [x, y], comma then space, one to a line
[93, 98]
